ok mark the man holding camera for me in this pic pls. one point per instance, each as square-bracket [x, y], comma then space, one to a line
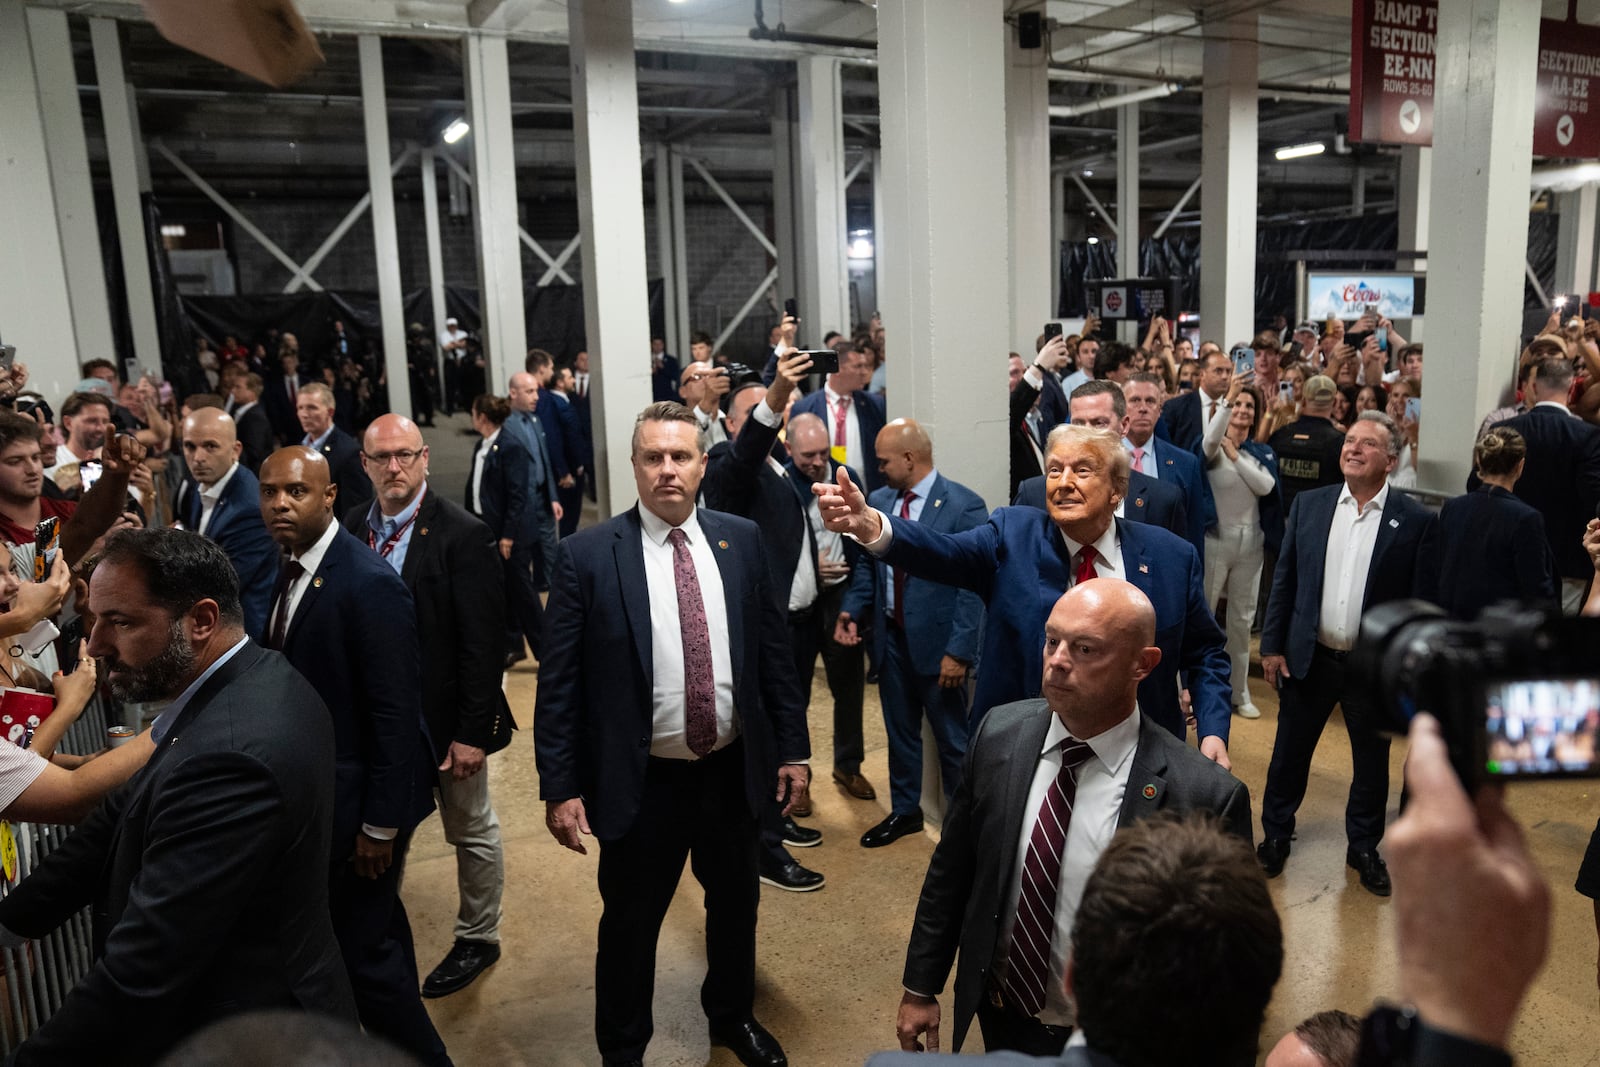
[702, 388]
[853, 415]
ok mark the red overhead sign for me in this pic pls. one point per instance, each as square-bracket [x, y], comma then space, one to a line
[1566, 122]
[1391, 70]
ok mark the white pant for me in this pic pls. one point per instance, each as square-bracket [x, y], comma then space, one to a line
[471, 825]
[1233, 567]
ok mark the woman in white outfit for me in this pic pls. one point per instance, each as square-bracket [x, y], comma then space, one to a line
[1244, 483]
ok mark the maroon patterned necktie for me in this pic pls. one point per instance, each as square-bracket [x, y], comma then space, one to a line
[699, 680]
[1028, 960]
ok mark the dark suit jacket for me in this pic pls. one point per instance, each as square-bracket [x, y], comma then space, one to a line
[1400, 568]
[254, 430]
[740, 481]
[1025, 448]
[561, 432]
[869, 412]
[592, 720]
[1184, 418]
[1561, 481]
[504, 491]
[1149, 500]
[1017, 562]
[1493, 547]
[1055, 406]
[206, 876]
[965, 892]
[354, 637]
[237, 528]
[941, 620]
[542, 473]
[343, 454]
[453, 570]
[280, 409]
[1184, 470]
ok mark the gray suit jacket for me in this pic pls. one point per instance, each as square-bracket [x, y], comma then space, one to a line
[1073, 1057]
[967, 884]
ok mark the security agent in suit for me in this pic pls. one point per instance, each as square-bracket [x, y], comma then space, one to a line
[206, 874]
[925, 634]
[336, 446]
[346, 622]
[1492, 545]
[1165, 461]
[987, 892]
[1347, 549]
[253, 428]
[562, 436]
[562, 387]
[281, 398]
[852, 415]
[667, 715]
[451, 564]
[498, 492]
[1032, 406]
[221, 504]
[1186, 415]
[1149, 500]
[544, 470]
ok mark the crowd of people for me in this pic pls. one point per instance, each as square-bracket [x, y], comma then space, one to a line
[317, 635]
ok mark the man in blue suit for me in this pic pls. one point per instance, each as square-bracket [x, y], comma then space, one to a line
[1165, 461]
[222, 505]
[1184, 416]
[574, 422]
[667, 717]
[1021, 561]
[1347, 548]
[1148, 500]
[924, 633]
[345, 621]
[561, 434]
[500, 492]
[546, 467]
[852, 415]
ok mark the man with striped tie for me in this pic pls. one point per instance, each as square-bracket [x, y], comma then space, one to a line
[1047, 783]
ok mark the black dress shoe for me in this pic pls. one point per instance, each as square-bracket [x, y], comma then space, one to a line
[750, 1042]
[800, 836]
[892, 829]
[1273, 853]
[791, 876]
[465, 961]
[1374, 872]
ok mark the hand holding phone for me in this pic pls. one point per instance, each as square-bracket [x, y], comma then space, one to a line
[1244, 359]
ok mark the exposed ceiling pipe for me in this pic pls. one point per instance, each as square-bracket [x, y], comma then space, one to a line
[761, 32]
[1105, 103]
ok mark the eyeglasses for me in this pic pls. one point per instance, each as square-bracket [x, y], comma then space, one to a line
[406, 456]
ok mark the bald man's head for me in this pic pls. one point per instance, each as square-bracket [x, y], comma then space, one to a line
[524, 391]
[905, 453]
[210, 444]
[297, 496]
[1099, 644]
[396, 459]
[809, 445]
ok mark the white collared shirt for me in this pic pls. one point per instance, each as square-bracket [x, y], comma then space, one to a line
[1351, 538]
[480, 461]
[1102, 781]
[919, 500]
[853, 456]
[1108, 552]
[803, 590]
[320, 440]
[310, 559]
[668, 715]
[210, 494]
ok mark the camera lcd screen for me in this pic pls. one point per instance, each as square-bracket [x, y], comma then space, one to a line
[1536, 728]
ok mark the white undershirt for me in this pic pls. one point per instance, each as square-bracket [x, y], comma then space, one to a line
[480, 461]
[209, 495]
[1351, 538]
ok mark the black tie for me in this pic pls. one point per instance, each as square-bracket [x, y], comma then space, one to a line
[280, 596]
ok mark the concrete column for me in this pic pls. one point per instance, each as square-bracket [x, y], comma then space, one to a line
[69, 178]
[665, 243]
[1228, 182]
[430, 224]
[785, 214]
[35, 298]
[385, 242]
[824, 279]
[1058, 235]
[504, 328]
[1412, 188]
[680, 257]
[1128, 206]
[1575, 242]
[605, 113]
[1028, 190]
[1483, 134]
[879, 275]
[130, 180]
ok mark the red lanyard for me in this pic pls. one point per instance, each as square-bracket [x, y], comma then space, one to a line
[394, 538]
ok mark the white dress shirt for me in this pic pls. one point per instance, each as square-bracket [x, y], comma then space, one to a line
[210, 494]
[803, 590]
[1102, 781]
[853, 455]
[919, 500]
[480, 461]
[668, 717]
[713, 427]
[1108, 553]
[1351, 538]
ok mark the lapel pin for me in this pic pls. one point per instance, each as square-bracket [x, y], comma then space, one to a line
[722, 544]
[1138, 501]
[938, 503]
[1149, 792]
[316, 583]
[1395, 523]
[1144, 568]
[423, 531]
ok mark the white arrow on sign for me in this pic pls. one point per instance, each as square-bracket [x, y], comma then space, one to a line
[1411, 117]
[1564, 129]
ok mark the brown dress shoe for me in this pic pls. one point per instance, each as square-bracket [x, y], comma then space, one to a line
[855, 785]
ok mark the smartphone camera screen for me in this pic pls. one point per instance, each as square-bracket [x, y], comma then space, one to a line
[1541, 728]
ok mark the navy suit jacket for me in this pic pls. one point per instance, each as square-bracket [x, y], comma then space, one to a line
[1054, 406]
[343, 454]
[1149, 500]
[1493, 547]
[592, 719]
[1184, 420]
[1183, 469]
[505, 490]
[574, 445]
[740, 481]
[254, 430]
[237, 529]
[941, 620]
[869, 413]
[541, 476]
[1018, 563]
[1401, 567]
[1561, 481]
[280, 409]
[354, 637]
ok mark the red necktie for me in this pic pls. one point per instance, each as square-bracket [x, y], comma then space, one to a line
[1138, 460]
[841, 411]
[900, 574]
[699, 679]
[1028, 960]
[1086, 558]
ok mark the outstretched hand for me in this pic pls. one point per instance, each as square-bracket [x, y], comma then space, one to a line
[844, 509]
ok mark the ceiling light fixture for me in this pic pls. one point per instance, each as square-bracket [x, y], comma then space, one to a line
[457, 129]
[1299, 151]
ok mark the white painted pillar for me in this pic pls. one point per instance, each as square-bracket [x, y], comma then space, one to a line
[824, 279]
[680, 260]
[130, 179]
[785, 213]
[879, 275]
[1483, 135]
[605, 113]
[665, 223]
[430, 224]
[1128, 206]
[1575, 234]
[1028, 190]
[1058, 236]
[385, 242]
[35, 298]
[504, 328]
[1228, 182]
[1413, 188]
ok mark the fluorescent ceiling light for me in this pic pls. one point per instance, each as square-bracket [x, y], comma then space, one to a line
[1094, 240]
[455, 131]
[860, 248]
[1298, 151]
[171, 229]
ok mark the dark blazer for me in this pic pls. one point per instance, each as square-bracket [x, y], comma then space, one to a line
[254, 430]
[1561, 481]
[237, 528]
[1149, 500]
[592, 719]
[206, 876]
[1025, 448]
[453, 570]
[1184, 418]
[1493, 547]
[869, 412]
[1401, 568]
[354, 637]
[504, 490]
[561, 432]
[964, 894]
[1055, 406]
[740, 481]
[343, 454]
[664, 382]
[542, 473]
[941, 620]
[1018, 563]
[281, 411]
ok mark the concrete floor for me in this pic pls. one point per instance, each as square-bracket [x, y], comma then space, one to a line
[829, 962]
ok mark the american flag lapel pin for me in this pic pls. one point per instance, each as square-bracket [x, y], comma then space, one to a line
[316, 583]
[1394, 524]
[1144, 568]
